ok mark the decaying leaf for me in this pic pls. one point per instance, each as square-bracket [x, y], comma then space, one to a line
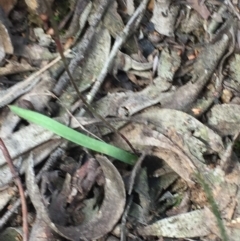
[112, 21]
[114, 199]
[225, 119]
[175, 137]
[164, 16]
[127, 104]
[176, 36]
[168, 64]
[41, 232]
[125, 63]
[106, 218]
[35, 52]
[192, 224]
[41, 153]
[86, 74]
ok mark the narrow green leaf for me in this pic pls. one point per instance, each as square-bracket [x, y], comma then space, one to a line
[73, 135]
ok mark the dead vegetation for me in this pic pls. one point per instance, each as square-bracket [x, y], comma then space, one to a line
[164, 74]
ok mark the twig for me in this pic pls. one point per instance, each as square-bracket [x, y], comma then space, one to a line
[102, 8]
[20, 188]
[7, 96]
[73, 117]
[136, 18]
[135, 170]
[124, 218]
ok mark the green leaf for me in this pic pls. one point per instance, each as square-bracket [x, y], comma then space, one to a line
[74, 136]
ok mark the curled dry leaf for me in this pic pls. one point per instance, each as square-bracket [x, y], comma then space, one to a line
[114, 199]
[176, 137]
[125, 62]
[127, 104]
[106, 218]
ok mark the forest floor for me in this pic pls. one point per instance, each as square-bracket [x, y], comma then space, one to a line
[158, 79]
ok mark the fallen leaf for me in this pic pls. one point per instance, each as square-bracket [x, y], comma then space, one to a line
[106, 218]
[200, 7]
[192, 224]
[225, 119]
[164, 17]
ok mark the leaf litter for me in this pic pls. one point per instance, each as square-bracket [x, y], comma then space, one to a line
[165, 74]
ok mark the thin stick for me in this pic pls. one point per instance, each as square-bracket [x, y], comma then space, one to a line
[73, 117]
[102, 9]
[135, 170]
[136, 18]
[20, 188]
[7, 96]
